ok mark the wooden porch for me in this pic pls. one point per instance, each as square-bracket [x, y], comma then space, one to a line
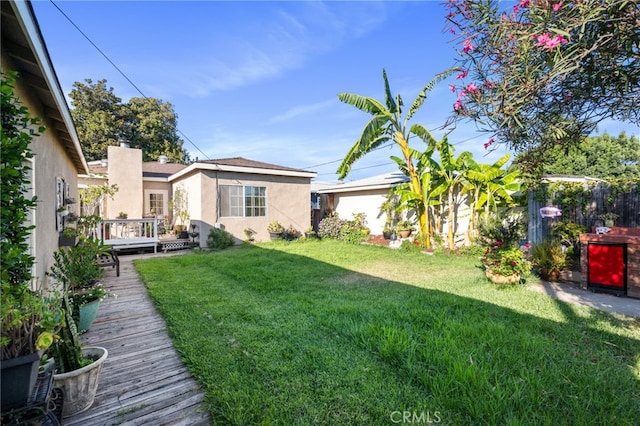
[143, 381]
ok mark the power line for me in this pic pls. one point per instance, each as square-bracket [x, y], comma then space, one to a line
[378, 148]
[121, 72]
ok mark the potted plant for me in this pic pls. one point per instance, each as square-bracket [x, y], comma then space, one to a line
[78, 369]
[290, 233]
[310, 233]
[275, 230]
[505, 264]
[404, 228]
[180, 206]
[30, 317]
[608, 218]
[550, 259]
[122, 215]
[249, 234]
[30, 322]
[387, 231]
[389, 208]
[68, 237]
[78, 267]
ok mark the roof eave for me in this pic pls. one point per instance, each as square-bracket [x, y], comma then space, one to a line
[240, 169]
[25, 17]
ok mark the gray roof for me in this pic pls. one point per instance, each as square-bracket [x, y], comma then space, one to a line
[243, 162]
[387, 180]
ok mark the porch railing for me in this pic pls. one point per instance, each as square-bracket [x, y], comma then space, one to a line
[129, 233]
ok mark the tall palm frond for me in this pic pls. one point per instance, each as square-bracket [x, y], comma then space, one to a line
[422, 95]
[363, 103]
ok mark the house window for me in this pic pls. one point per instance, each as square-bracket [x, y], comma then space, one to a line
[155, 202]
[243, 201]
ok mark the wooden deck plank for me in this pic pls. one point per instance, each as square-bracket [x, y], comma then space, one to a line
[143, 381]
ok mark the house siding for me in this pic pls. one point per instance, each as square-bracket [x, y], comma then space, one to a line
[288, 201]
[50, 161]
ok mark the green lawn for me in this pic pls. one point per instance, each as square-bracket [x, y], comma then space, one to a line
[329, 333]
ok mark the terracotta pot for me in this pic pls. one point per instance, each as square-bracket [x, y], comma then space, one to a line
[502, 279]
[404, 234]
[552, 276]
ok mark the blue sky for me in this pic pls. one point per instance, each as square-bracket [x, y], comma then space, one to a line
[260, 79]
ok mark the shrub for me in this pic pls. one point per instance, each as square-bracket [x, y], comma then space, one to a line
[569, 235]
[549, 256]
[353, 235]
[219, 239]
[332, 227]
[506, 260]
[506, 230]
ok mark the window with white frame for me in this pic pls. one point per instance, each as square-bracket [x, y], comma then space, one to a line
[242, 201]
[155, 202]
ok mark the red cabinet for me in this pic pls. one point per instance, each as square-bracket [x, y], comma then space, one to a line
[607, 267]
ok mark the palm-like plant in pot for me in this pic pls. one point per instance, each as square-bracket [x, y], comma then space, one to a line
[404, 228]
[550, 259]
[29, 317]
[78, 368]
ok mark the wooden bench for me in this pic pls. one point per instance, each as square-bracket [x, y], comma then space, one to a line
[110, 259]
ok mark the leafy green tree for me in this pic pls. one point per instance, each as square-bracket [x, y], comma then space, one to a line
[489, 186]
[102, 120]
[387, 124]
[27, 322]
[546, 72]
[18, 129]
[153, 129]
[602, 157]
[99, 117]
[450, 174]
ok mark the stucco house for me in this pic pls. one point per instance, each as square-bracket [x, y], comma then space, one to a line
[230, 193]
[367, 196]
[58, 158]
[363, 195]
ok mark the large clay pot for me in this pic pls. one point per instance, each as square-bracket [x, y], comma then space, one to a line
[404, 233]
[79, 386]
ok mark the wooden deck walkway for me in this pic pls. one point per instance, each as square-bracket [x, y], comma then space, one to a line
[143, 381]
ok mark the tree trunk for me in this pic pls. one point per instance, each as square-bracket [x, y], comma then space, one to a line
[450, 218]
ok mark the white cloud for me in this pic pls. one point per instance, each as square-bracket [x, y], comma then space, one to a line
[302, 110]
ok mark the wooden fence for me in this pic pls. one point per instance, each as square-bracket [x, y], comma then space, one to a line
[585, 208]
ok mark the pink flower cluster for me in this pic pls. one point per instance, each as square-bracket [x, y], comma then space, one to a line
[489, 143]
[549, 42]
[470, 88]
[468, 46]
[523, 3]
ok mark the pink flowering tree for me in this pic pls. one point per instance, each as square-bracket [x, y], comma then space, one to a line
[541, 72]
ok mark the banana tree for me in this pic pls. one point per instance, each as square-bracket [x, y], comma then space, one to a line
[387, 124]
[450, 172]
[490, 186]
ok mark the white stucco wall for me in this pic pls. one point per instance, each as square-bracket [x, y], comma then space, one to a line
[346, 204]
